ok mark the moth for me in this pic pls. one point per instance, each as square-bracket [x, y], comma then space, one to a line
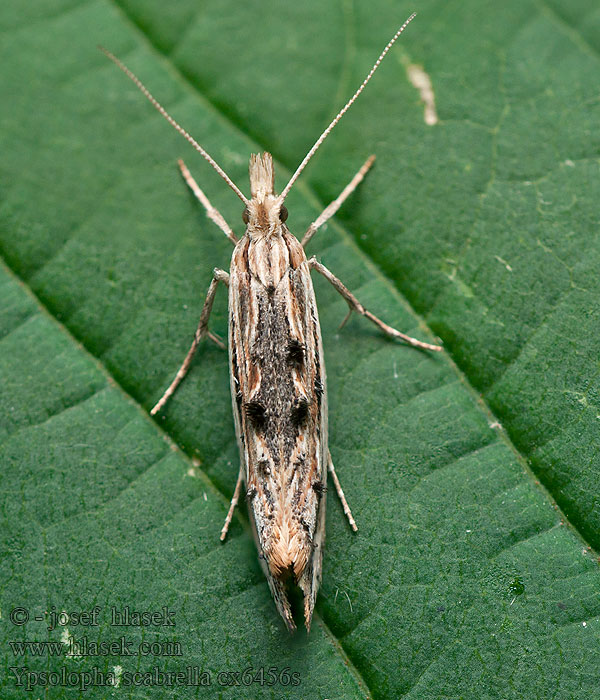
[277, 370]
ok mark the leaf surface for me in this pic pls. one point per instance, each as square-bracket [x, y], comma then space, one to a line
[472, 475]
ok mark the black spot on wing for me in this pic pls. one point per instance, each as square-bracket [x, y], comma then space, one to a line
[295, 353]
[299, 412]
[319, 487]
[255, 413]
[264, 469]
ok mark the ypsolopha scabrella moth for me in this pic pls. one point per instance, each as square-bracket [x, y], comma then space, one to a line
[277, 371]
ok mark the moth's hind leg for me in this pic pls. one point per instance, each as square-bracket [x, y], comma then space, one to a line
[331, 209]
[201, 331]
[212, 213]
[355, 305]
[233, 504]
[338, 488]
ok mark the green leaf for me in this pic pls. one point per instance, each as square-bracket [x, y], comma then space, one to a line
[472, 475]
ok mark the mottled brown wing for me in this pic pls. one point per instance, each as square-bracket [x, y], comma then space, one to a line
[279, 400]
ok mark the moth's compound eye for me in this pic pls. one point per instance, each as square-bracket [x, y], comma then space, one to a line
[245, 215]
[283, 213]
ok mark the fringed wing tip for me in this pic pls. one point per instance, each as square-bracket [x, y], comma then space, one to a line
[286, 614]
[307, 618]
[309, 591]
[285, 611]
[281, 601]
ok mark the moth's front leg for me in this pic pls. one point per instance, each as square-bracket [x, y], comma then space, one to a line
[212, 213]
[201, 331]
[355, 305]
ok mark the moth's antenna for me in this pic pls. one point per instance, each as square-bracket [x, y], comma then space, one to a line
[173, 123]
[343, 111]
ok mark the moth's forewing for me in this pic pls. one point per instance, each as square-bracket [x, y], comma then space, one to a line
[279, 401]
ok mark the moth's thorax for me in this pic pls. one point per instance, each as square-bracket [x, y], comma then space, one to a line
[268, 260]
[263, 209]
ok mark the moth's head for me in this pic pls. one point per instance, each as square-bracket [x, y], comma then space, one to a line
[265, 212]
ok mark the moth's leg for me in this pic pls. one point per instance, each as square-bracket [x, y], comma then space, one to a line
[212, 213]
[201, 331]
[331, 209]
[338, 488]
[233, 504]
[216, 340]
[355, 305]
